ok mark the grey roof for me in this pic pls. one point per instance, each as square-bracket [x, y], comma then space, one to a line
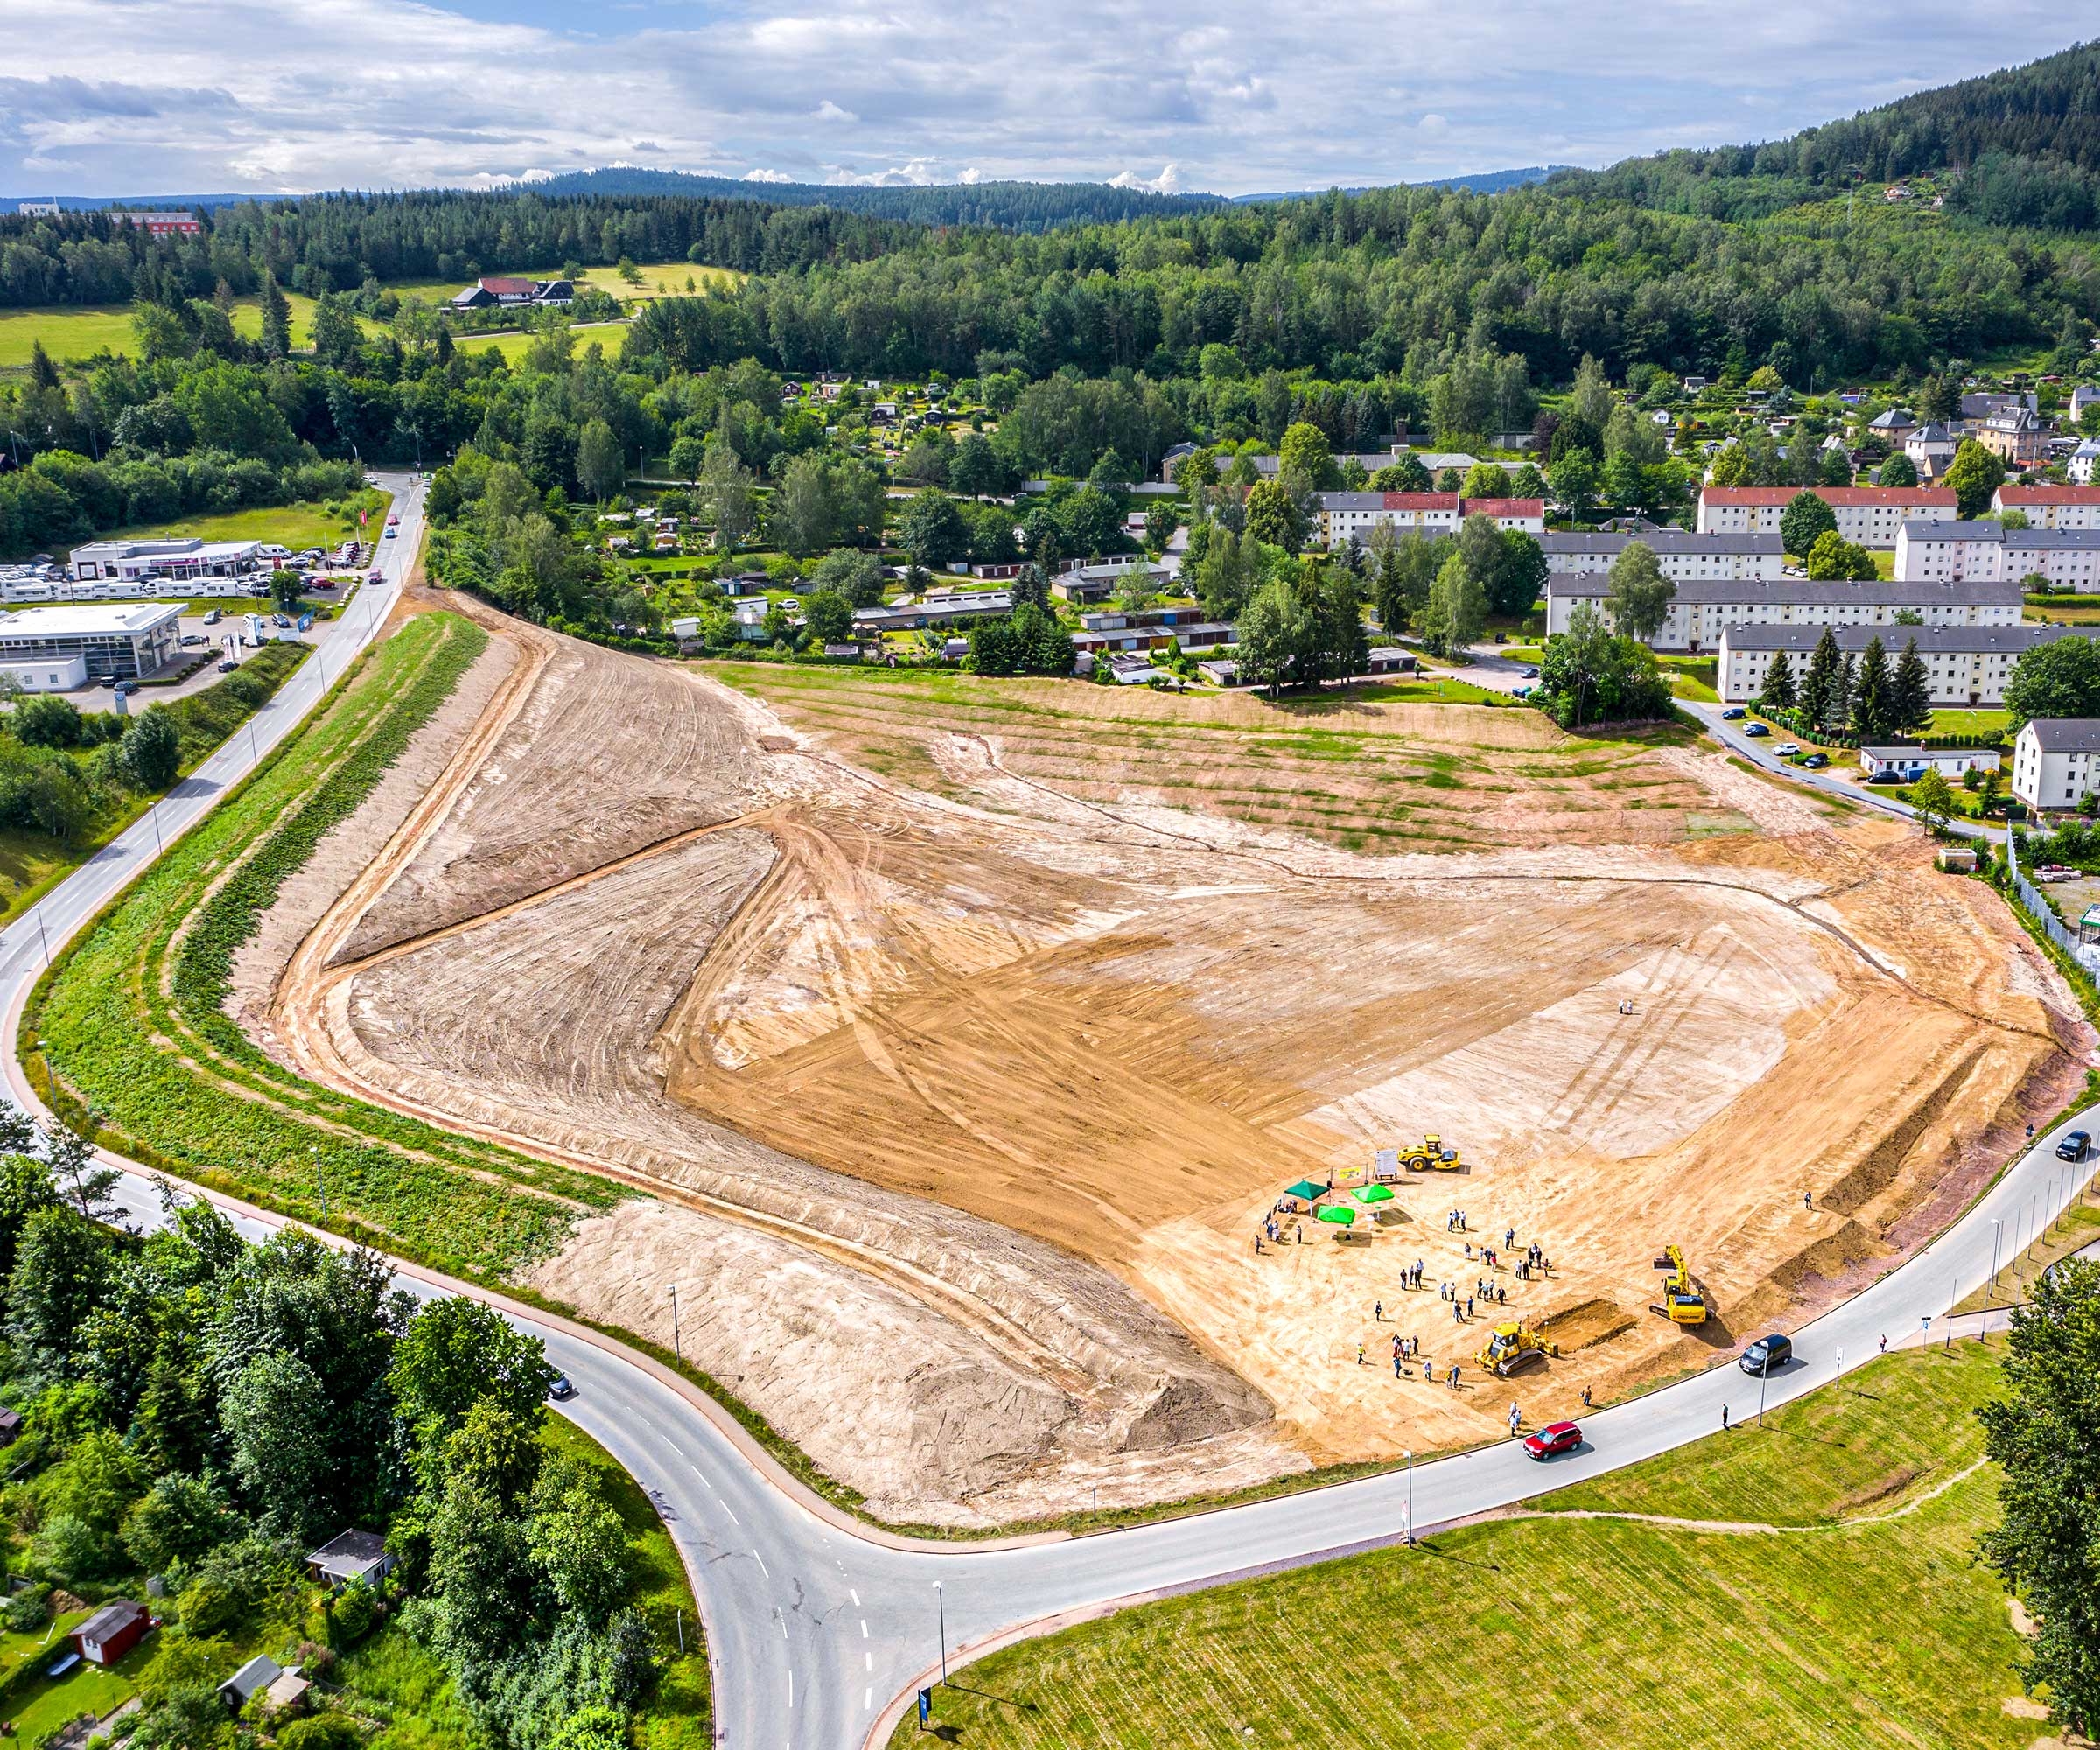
[355, 1545]
[1894, 418]
[2067, 734]
[1800, 592]
[1990, 534]
[2012, 640]
[1984, 532]
[1662, 541]
[2020, 539]
[118, 1614]
[1934, 433]
[259, 1673]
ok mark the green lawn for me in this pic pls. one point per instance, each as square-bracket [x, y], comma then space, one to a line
[1431, 690]
[1692, 677]
[296, 526]
[75, 330]
[1855, 1630]
[1953, 722]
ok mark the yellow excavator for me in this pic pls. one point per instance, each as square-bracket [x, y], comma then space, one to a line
[1683, 1304]
[1430, 1156]
[1513, 1347]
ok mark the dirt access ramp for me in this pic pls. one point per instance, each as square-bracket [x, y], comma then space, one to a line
[948, 1369]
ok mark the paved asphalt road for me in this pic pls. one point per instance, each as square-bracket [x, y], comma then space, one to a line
[818, 1631]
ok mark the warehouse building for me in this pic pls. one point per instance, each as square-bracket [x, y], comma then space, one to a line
[1703, 607]
[122, 640]
[1964, 665]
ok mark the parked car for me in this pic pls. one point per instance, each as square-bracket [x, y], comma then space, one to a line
[228, 666]
[126, 687]
[2074, 1146]
[1787, 750]
[1735, 713]
[1768, 1354]
[1530, 674]
[106, 681]
[1816, 762]
[1757, 729]
[561, 1390]
[280, 619]
[212, 616]
[1553, 1439]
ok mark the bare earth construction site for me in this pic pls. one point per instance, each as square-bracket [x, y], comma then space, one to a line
[963, 1034]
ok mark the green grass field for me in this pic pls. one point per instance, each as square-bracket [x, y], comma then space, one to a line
[72, 331]
[512, 345]
[296, 526]
[658, 279]
[1857, 1629]
[1953, 722]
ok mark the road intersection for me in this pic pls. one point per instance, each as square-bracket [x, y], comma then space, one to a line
[819, 1627]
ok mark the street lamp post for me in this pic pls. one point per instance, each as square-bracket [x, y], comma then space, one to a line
[940, 1603]
[320, 1176]
[1411, 1498]
[1996, 1233]
[1950, 1289]
[1763, 1373]
[677, 1347]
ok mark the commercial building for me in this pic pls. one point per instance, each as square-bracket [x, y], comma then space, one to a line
[1344, 514]
[119, 640]
[1682, 556]
[1867, 515]
[1964, 665]
[160, 224]
[180, 559]
[2075, 507]
[2056, 761]
[2067, 558]
[1704, 608]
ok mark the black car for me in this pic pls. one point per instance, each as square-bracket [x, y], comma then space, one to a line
[1757, 729]
[1735, 714]
[2074, 1146]
[1816, 762]
[561, 1390]
[1768, 1355]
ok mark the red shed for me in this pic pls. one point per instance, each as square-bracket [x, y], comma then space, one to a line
[112, 1632]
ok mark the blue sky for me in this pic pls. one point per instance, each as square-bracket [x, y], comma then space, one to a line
[145, 97]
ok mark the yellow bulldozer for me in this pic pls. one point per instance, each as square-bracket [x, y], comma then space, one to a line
[1430, 1156]
[1683, 1304]
[1511, 1348]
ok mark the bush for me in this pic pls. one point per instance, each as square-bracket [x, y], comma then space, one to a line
[206, 1607]
[45, 720]
[152, 750]
[28, 1610]
[321, 1731]
[353, 1613]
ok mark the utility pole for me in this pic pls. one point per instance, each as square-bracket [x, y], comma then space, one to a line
[940, 1603]
[1411, 1498]
[677, 1348]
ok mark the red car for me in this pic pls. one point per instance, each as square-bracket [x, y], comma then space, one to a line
[1551, 1441]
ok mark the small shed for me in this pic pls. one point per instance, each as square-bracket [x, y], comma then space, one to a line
[286, 1692]
[1220, 673]
[112, 1632]
[250, 1681]
[359, 1556]
[1387, 659]
[10, 1427]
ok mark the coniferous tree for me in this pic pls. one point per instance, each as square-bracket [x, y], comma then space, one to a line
[1910, 694]
[1821, 681]
[1872, 701]
[1779, 694]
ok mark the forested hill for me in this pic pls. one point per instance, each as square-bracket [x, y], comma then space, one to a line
[337, 242]
[2022, 146]
[1009, 206]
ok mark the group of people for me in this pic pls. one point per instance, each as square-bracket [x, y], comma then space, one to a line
[1455, 1221]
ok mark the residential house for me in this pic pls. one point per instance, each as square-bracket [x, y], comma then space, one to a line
[493, 292]
[1931, 449]
[1867, 515]
[1893, 427]
[1910, 764]
[2056, 761]
[1682, 556]
[112, 1632]
[2083, 396]
[1966, 666]
[1983, 405]
[2083, 461]
[2018, 437]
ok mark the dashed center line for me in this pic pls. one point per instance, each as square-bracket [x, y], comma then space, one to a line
[854, 1596]
[761, 1560]
[864, 1628]
[702, 1474]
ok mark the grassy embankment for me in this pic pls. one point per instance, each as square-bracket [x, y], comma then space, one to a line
[1854, 1627]
[33, 862]
[295, 526]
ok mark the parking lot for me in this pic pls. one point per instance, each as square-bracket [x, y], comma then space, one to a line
[232, 623]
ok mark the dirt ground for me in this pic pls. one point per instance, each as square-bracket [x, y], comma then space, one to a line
[968, 1031]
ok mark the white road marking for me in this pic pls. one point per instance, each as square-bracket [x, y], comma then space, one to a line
[732, 1511]
[864, 1628]
[869, 1662]
[791, 1686]
[854, 1596]
[761, 1560]
[867, 1700]
[696, 1471]
[673, 1445]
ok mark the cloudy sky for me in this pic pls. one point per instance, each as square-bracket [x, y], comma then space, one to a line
[194, 97]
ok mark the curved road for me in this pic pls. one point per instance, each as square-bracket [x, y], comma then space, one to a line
[819, 1628]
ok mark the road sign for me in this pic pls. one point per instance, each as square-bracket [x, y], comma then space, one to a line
[925, 1706]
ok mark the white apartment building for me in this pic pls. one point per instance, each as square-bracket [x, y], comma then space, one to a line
[2056, 761]
[2068, 558]
[1964, 665]
[2052, 507]
[1705, 608]
[1869, 516]
[1684, 557]
[1344, 514]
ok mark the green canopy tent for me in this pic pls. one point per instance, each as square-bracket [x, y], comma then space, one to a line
[1341, 1216]
[1374, 1193]
[1306, 1189]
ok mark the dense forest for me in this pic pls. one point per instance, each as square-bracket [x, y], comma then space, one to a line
[1004, 206]
[2026, 138]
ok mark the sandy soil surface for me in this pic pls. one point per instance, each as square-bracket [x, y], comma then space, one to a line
[968, 1031]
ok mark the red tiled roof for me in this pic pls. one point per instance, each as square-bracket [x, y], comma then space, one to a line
[2018, 496]
[1505, 507]
[1833, 496]
[1431, 500]
[508, 288]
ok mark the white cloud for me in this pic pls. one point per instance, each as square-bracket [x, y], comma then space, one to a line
[143, 95]
[1167, 182]
[766, 176]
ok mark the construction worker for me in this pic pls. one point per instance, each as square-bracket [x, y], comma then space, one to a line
[1724, 1419]
[1509, 1238]
[1454, 1375]
[1586, 1398]
[1516, 1419]
[1360, 1355]
[1377, 1311]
